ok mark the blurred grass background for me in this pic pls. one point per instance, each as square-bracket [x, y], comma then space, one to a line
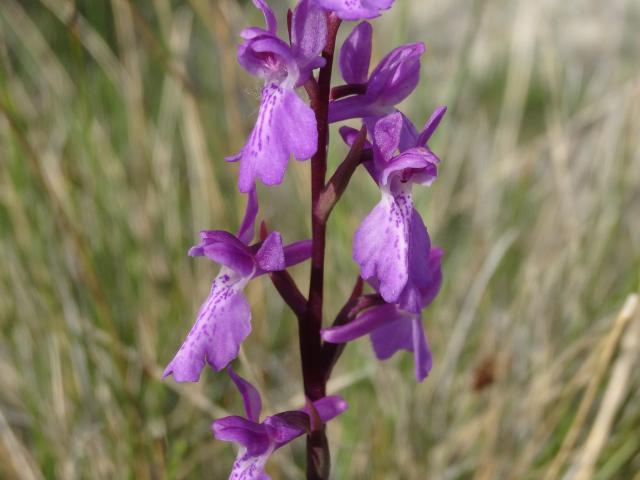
[114, 120]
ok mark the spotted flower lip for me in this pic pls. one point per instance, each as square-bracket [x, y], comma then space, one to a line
[392, 328]
[395, 77]
[392, 244]
[356, 9]
[258, 440]
[286, 126]
[224, 319]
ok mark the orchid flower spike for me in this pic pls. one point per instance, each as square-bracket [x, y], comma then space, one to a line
[258, 440]
[356, 9]
[395, 77]
[285, 125]
[224, 319]
[392, 328]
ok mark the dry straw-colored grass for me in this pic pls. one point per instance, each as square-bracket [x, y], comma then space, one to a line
[114, 118]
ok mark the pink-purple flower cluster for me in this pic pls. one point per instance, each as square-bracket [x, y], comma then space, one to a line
[391, 246]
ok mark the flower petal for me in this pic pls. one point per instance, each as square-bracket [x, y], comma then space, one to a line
[355, 54]
[249, 434]
[225, 249]
[356, 9]
[381, 243]
[287, 426]
[433, 273]
[396, 333]
[297, 252]
[350, 135]
[267, 56]
[251, 467]
[420, 276]
[422, 354]
[308, 35]
[250, 396]
[396, 76]
[363, 324]
[356, 106]
[416, 165]
[223, 322]
[269, 17]
[246, 232]
[386, 135]
[329, 407]
[285, 126]
[409, 135]
[431, 125]
[270, 256]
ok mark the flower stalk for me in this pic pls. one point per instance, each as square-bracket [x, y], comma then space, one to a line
[314, 379]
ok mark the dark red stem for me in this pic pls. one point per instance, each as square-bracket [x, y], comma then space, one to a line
[336, 186]
[311, 322]
[310, 341]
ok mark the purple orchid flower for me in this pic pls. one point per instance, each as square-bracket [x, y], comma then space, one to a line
[286, 125]
[258, 440]
[224, 319]
[392, 244]
[395, 77]
[356, 9]
[392, 328]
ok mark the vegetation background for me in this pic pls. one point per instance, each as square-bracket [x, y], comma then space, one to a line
[115, 117]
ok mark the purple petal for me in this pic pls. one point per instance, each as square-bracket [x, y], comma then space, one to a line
[422, 354]
[363, 324]
[287, 426]
[251, 467]
[225, 249]
[396, 76]
[251, 435]
[309, 35]
[416, 165]
[402, 331]
[286, 126]
[329, 407]
[355, 54]
[270, 257]
[386, 135]
[381, 244]
[356, 106]
[297, 252]
[267, 56]
[269, 17]
[433, 277]
[250, 396]
[409, 135]
[431, 126]
[253, 32]
[223, 322]
[395, 333]
[246, 232]
[356, 9]
[420, 275]
[350, 135]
